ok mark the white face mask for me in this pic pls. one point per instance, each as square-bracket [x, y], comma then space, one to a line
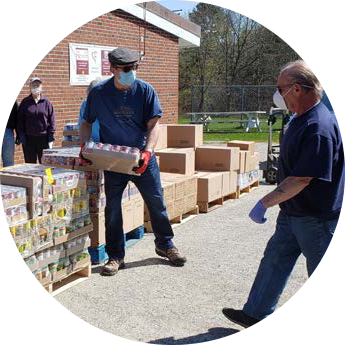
[279, 101]
[35, 90]
[5, 86]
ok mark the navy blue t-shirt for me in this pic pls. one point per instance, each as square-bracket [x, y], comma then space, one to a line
[122, 115]
[312, 147]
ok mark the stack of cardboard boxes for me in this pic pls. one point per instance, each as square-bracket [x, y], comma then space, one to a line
[175, 152]
[52, 231]
[248, 171]
[220, 171]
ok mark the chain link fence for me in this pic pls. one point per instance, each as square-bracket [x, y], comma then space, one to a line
[226, 98]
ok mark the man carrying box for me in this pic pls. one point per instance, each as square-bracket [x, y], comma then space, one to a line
[128, 111]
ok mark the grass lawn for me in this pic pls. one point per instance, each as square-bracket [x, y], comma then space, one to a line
[237, 132]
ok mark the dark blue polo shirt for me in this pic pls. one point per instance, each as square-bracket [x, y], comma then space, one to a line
[312, 147]
[122, 115]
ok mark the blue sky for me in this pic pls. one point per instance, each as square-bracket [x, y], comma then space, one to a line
[185, 6]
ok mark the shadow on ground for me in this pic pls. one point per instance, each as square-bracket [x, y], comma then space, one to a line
[212, 334]
[133, 264]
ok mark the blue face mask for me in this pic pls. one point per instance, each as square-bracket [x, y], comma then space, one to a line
[127, 79]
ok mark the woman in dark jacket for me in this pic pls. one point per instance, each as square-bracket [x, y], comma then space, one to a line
[36, 124]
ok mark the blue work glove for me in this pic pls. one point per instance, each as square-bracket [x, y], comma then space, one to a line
[257, 213]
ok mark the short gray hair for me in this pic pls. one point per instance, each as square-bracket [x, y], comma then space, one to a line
[92, 84]
[299, 72]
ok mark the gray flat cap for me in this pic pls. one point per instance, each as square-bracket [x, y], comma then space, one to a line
[123, 56]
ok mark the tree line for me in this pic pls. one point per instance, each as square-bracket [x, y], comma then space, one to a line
[234, 50]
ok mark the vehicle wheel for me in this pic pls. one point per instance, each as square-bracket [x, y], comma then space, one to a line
[271, 175]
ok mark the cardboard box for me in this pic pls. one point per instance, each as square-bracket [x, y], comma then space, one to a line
[209, 186]
[65, 143]
[242, 162]
[242, 145]
[226, 183]
[162, 142]
[179, 207]
[254, 161]
[97, 236]
[38, 170]
[138, 213]
[26, 182]
[216, 158]
[233, 182]
[168, 191]
[112, 161]
[185, 135]
[190, 202]
[177, 161]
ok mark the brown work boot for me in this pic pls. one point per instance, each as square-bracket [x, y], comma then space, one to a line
[113, 266]
[173, 256]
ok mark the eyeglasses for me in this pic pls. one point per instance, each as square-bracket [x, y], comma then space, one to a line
[281, 88]
[126, 69]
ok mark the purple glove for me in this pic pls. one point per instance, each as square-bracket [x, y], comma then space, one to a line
[257, 213]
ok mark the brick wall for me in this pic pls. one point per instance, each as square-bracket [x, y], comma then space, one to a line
[118, 29]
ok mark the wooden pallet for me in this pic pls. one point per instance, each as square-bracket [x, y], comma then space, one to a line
[36, 297]
[205, 207]
[230, 197]
[245, 190]
[177, 220]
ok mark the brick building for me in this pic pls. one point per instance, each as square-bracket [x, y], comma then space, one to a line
[165, 33]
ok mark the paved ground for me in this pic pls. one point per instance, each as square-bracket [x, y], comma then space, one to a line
[153, 302]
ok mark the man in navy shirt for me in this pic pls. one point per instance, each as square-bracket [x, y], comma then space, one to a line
[309, 193]
[128, 111]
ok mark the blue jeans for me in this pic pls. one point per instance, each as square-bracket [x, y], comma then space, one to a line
[149, 186]
[293, 236]
[7, 152]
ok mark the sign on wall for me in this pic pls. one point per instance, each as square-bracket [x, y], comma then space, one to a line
[87, 63]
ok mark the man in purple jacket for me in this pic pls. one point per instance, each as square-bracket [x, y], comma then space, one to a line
[36, 125]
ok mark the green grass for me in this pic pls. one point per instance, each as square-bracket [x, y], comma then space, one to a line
[237, 132]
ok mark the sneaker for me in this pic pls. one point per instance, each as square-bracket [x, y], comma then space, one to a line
[313, 337]
[113, 266]
[173, 256]
[239, 317]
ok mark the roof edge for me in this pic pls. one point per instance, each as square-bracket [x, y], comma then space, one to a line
[157, 15]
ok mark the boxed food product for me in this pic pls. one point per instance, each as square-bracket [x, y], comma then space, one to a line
[162, 137]
[216, 158]
[177, 161]
[115, 158]
[209, 186]
[243, 145]
[185, 135]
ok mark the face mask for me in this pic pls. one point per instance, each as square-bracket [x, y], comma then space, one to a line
[127, 79]
[5, 86]
[35, 90]
[278, 100]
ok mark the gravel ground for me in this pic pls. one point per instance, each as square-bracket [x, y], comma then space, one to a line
[153, 302]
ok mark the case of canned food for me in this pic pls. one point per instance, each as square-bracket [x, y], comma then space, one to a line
[11, 193]
[16, 214]
[71, 138]
[112, 157]
[97, 203]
